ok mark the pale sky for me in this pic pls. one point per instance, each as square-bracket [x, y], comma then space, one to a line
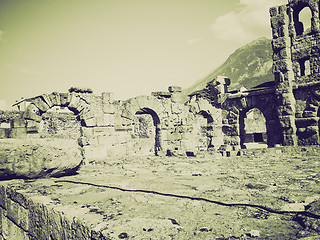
[129, 47]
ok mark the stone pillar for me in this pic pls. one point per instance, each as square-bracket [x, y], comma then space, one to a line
[224, 82]
[283, 71]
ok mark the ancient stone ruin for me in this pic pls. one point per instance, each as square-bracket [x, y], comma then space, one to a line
[212, 118]
[281, 112]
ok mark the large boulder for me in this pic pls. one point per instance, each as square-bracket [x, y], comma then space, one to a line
[36, 158]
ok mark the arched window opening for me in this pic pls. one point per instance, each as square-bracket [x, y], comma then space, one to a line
[147, 132]
[302, 20]
[254, 129]
[304, 65]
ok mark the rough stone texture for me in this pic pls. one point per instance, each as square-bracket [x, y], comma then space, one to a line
[49, 209]
[34, 158]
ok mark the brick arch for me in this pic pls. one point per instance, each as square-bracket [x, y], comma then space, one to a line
[41, 104]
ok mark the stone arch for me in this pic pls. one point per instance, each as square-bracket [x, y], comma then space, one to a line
[146, 105]
[266, 105]
[156, 123]
[304, 15]
[74, 102]
[133, 105]
[254, 132]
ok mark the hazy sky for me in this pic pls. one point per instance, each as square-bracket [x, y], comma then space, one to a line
[129, 47]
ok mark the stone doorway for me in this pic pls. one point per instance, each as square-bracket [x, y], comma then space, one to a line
[253, 131]
[147, 132]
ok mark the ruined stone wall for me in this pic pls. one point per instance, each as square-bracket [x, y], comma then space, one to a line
[108, 127]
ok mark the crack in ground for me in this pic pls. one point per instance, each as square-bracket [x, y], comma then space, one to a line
[304, 213]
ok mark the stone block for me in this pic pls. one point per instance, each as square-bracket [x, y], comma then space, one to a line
[23, 218]
[41, 104]
[80, 231]
[38, 221]
[65, 99]
[161, 94]
[231, 130]
[100, 120]
[83, 141]
[74, 103]
[12, 231]
[3, 197]
[286, 110]
[305, 122]
[18, 123]
[82, 106]
[289, 140]
[108, 119]
[109, 108]
[30, 160]
[308, 114]
[283, 65]
[173, 89]
[87, 114]
[17, 133]
[90, 122]
[107, 97]
[4, 133]
[55, 99]
[13, 211]
[176, 109]
[32, 113]
[2, 215]
[120, 128]
[287, 121]
[281, 43]
[55, 226]
[87, 132]
[32, 126]
[47, 100]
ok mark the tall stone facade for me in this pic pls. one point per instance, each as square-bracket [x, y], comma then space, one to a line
[296, 67]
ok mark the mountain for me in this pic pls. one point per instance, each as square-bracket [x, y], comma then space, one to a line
[248, 66]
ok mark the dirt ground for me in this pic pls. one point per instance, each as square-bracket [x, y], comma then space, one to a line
[281, 179]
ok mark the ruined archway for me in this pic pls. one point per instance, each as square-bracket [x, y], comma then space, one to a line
[204, 128]
[74, 102]
[147, 134]
[253, 130]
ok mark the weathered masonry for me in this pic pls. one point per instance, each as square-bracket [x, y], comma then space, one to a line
[297, 70]
[158, 124]
[290, 105]
[213, 117]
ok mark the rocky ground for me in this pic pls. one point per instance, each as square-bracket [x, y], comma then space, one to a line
[281, 179]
